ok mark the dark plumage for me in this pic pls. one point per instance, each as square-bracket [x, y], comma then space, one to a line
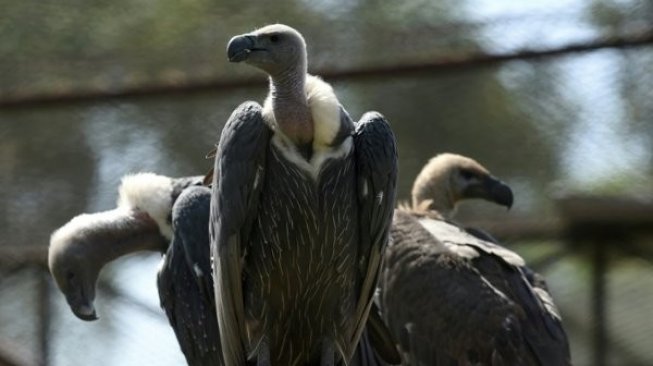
[302, 203]
[153, 214]
[452, 298]
[185, 283]
[80, 249]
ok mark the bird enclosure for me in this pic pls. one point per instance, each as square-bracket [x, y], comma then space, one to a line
[553, 97]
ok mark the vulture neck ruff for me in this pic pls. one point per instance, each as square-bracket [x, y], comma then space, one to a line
[150, 193]
[324, 108]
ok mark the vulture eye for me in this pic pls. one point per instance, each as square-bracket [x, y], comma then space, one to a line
[466, 174]
[274, 38]
[70, 276]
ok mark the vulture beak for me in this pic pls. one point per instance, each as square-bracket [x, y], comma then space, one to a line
[499, 192]
[240, 47]
[491, 189]
[81, 305]
[84, 311]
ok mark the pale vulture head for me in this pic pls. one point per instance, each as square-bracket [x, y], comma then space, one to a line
[74, 271]
[449, 178]
[79, 249]
[276, 49]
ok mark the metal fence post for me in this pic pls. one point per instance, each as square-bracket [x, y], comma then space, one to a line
[599, 336]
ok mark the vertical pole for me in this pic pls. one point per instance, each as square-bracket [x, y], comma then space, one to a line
[44, 316]
[600, 267]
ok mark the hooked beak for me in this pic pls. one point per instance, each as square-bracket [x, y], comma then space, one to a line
[499, 192]
[491, 189]
[82, 305]
[240, 47]
[85, 312]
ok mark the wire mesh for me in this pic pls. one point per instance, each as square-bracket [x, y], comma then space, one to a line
[553, 97]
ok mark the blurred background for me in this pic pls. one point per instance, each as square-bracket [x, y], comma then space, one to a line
[554, 97]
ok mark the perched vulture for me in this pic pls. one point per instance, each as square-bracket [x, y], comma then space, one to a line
[168, 215]
[453, 298]
[300, 214]
[150, 208]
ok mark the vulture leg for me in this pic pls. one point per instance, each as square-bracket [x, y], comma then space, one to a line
[327, 353]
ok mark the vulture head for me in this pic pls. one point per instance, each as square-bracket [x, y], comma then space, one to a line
[80, 249]
[276, 49]
[73, 270]
[449, 178]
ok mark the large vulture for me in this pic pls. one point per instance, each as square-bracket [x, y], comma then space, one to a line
[171, 216]
[453, 298]
[154, 213]
[301, 207]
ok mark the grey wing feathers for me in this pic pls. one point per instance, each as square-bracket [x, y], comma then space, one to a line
[380, 339]
[462, 241]
[544, 337]
[376, 166]
[238, 166]
[548, 339]
[184, 281]
[180, 184]
[510, 319]
[481, 234]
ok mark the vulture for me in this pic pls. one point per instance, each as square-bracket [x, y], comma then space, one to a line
[171, 216]
[302, 200]
[455, 297]
[154, 213]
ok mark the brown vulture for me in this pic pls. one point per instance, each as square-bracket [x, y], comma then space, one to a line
[451, 297]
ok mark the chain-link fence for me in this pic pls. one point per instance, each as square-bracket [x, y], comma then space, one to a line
[553, 97]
